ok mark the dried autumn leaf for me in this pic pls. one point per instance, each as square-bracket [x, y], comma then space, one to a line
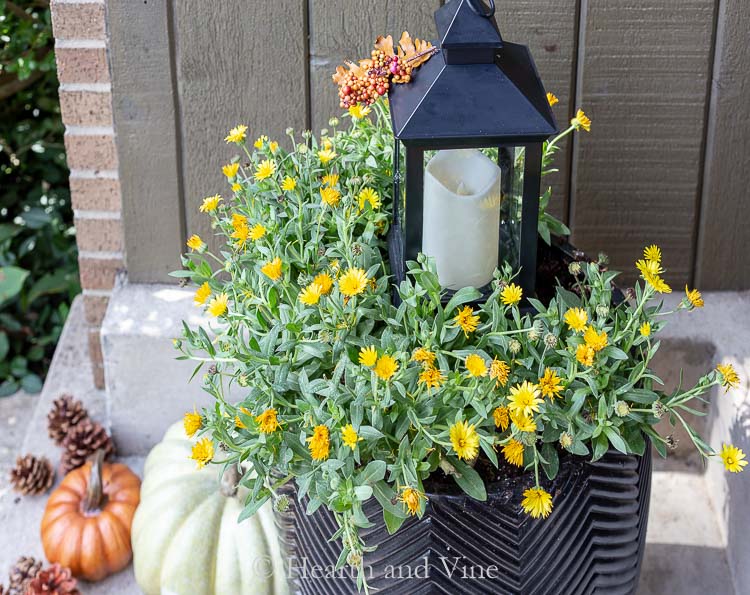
[385, 44]
[406, 45]
[415, 52]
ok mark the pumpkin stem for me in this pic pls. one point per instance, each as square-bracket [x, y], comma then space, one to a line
[94, 491]
[229, 481]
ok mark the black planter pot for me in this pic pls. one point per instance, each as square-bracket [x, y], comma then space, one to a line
[591, 543]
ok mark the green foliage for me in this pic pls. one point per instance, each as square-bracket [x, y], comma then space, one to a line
[38, 264]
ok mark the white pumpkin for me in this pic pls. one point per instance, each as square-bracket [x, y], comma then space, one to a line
[186, 539]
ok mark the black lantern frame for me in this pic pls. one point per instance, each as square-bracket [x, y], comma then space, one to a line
[477, 92]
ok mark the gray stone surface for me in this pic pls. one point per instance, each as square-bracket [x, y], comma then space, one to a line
[15, 411]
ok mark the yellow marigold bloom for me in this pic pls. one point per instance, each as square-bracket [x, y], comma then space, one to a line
[272, 269]
[325, 282]
[274, 146]
[729, 376]
[350, 437]
[267, 421]
[230, 170]
[585, 354]
[576, 318]
[513, 452]
[432, 377]
[659, 285]
[524, 398]
[260, 141]
[467, 320]
[694, 297]
[236, 187]
[465, 440]
[423, 356]
[310, 295]
[386, 367]
[203, 452]
[550, 384]
[359, 111]
[201, 294]
[327, 144]
[330, 179]
[652, 252]
[511, 294]
[411, 498]
[368, 196]
[218, 305]
[353, 282]
[238, 220]
[368, 356]
[733, 458]
[537, 503]
[194, 242]
[646, 329]
[502, 420]
[552, 99]
[326, 155]
[238, 422]
[192, 422]
[581, 121]
[475, 365]
[330, 196]
[240, 234]
[597, 341]
[499, 371]
[256, 232]
[236, 134]
[210, 203]
[288, 184]
[523, 423]
[651, 273]
[320, 443]
[265, 170]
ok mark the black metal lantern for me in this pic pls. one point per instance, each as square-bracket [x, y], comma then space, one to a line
[469, 131]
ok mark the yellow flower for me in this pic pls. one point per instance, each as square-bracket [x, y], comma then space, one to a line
[368, 356]
[218, 305]
[523, 423]
[236, 134]
[238, 220]
[411, 498]
[537, 503]
[192, 422]
[359, 111]
[256, 232]
[729, 376]
[465, 440]
[236, 187]
[694, 297]
[368, 196]
[194, 242]
[550, 384]
[350, 437]
[597, 341]
[524, 398]
[267, 421]
[386, 367]
[500, 415]
[646, 329]
[274, 146]
[511, 294]
[327, 144]
[585, 354]
[651, 273]
[513, 452]
[466, 320]
[581, 121]
[330, 179]
[265, 170]
[310, 295]
[230, 170]
[288, 184]
[319, 443]
[652, 252]
[203, 452]
[240, 234]
[238, 422]
[330, 196]
[210, 203]
[733, 457]
[272, 269]
[432, 377]
[353, 282]
[576, 318]
[552, 99]
[201, 294]
[423, 356]
[499, 371]
[475, 365]
[260, 141]
[325, 282]
[326, 155]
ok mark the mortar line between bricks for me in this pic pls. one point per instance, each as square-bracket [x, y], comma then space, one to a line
[80, 44]
[93, 214]
[77, 2]
[77, 130]
[100, 255]
[86, 87]
[97, 292]
[94, 174]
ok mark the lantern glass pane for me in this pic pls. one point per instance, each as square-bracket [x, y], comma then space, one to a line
[511, 160]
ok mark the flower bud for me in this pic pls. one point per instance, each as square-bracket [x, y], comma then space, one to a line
[514, 346]
[575, 268]
[281, 504]
[243, 380]
[333, 122]
[622, 409]
[528, 438]
[550, 341]
[306, 133]
[658, 409]
[602, 311]
[289, 131]
[566, 440]
[354, 559]
[302, 148]
[672, 442]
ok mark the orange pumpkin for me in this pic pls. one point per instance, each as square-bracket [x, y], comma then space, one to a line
[86, 525]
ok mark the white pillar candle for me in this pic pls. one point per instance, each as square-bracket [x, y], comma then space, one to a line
[461, 217]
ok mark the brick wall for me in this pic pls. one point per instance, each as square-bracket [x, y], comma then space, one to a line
[79, 27]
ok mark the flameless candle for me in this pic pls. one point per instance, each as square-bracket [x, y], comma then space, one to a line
[461, 220]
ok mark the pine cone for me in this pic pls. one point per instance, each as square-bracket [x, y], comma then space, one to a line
[65, 414]
[25, 569]
[32, 475]
[55, 580]
[82, 441]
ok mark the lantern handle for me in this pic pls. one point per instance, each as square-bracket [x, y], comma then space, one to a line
[478, 7]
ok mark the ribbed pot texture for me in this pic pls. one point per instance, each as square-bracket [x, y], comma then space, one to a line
[591, 543]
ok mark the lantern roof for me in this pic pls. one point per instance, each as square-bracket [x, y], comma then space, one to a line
[462, 97]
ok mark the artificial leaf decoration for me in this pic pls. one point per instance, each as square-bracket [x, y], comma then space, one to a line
[385, 45]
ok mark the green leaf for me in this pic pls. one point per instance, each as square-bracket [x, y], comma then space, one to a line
[252, 506]
[469, 480]
[462, 296]
[392, 522]
[616, 439]
[551, 463]
[31, 383]
[4, 345]
[373, 473]
[51, 283]
[363, 492]
[11, 282]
